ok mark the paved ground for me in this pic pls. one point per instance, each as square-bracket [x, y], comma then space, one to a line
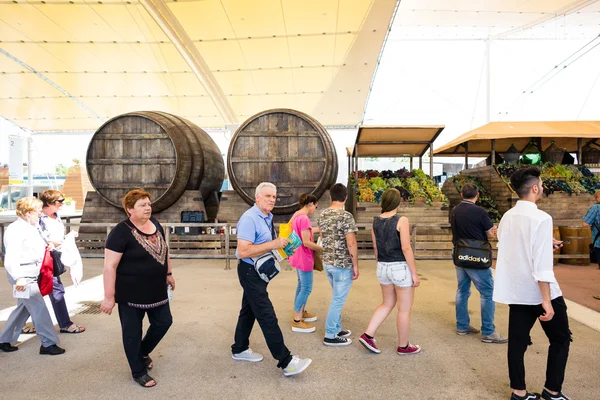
[193, 361]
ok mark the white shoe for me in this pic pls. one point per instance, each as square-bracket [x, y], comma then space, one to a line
[247, 355]
[296, 366]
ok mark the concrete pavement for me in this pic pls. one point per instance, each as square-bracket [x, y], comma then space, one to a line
[194, 362]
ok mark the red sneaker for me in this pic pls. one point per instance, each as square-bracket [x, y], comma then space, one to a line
[369, 343]
[410, 349]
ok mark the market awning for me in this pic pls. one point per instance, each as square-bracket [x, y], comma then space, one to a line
[478, 142]
[395, 141]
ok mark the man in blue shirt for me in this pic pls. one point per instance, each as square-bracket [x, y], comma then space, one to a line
[592, 218]
[256, 237]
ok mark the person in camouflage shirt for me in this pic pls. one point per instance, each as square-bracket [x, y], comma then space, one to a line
[340, 262]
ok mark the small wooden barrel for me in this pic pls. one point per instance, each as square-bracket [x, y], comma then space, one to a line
[581, 238]
[287, 148]
[162, 153]
[556, 235]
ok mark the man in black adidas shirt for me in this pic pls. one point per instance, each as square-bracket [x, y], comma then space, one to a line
[469, 221]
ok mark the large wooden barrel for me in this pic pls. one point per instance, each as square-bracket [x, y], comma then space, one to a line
[285, 147]
[581, 238]
[162, 153]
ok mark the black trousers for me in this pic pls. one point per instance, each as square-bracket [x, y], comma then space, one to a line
[131, 324]
[256, 305]
[520, 321]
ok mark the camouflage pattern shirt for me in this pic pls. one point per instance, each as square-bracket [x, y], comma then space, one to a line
[335, 225]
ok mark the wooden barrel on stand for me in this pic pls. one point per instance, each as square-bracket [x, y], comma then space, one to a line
[162, 153]
[580, 238]
[287, 148]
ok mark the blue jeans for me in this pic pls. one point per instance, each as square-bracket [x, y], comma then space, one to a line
[305, 285]
[341, 281]
[484, 283]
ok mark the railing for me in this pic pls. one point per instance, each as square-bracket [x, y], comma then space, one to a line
[222, 243]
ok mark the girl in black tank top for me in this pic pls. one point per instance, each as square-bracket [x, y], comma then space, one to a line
[388, 240]
[396, 273]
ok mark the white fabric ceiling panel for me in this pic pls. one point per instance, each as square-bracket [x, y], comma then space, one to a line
[236, 82]
[203, 20]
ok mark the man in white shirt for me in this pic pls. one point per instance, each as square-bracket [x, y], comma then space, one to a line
[525, 281]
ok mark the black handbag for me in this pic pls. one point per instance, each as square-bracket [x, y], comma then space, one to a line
[593, 258]
[470, 253]
[59, 267]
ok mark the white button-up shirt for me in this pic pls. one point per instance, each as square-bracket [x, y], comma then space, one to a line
[24, 250]
[524, 256]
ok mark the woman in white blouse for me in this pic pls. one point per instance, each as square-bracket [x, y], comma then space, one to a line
[23, 260]
[53, 231]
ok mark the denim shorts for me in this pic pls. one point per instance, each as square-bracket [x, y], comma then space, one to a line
[397, 273]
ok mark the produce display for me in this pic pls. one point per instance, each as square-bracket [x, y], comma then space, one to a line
[414, 186]
[558, 178]
[485, 200]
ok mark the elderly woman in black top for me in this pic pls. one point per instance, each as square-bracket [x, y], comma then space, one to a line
[136, 274]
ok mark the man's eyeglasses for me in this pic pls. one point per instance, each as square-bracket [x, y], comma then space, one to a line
[60, 201]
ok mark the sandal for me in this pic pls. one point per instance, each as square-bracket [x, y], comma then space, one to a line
[148, 362]
[597, 296]
[144, 380]
[77, 329]
[28, 330]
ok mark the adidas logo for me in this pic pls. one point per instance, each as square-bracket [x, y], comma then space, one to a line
[473, 259]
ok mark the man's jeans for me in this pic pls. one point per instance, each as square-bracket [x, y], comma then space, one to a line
[341, 281]
[484, 283]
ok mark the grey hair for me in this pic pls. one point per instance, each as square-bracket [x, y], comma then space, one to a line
[263, 185]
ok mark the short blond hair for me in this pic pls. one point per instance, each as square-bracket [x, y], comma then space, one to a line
[27, 204]
[132, 197]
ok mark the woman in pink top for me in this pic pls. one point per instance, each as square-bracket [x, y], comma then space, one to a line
[304, 260]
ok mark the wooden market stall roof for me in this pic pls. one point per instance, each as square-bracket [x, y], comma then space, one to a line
[565, 134]
[394, 141]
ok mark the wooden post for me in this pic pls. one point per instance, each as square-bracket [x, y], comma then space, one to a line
[1, 241]
[227, 261]
[579, 151]
[421, 162]
[350, 164]
[431, 160]
[466, 146]
[411, 163]
[413, 239]
[493, 151]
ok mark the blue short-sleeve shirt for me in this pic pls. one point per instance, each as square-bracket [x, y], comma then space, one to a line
[592, 217]
[255, 227]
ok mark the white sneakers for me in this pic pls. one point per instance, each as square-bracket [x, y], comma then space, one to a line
[296, 366]
[247, 355]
